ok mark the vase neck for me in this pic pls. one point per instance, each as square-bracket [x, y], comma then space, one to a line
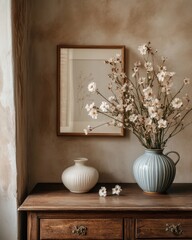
[154, 151]
[80, 161]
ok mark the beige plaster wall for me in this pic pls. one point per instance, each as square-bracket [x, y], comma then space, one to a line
[8, 188]
[167, 24]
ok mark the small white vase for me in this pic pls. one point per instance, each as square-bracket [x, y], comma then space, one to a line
[80, 178]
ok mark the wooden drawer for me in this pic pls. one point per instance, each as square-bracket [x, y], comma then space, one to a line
[81, 229]
[164, 228]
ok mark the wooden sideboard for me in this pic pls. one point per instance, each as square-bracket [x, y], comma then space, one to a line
[55, 213]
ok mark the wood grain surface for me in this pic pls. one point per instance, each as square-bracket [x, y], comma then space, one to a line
[54, 196]
[63, 228]
[156, 228]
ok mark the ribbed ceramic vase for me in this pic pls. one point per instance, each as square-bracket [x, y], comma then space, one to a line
[154, 171]
[80, 178]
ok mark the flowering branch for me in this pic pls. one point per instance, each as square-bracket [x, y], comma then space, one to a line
[145, 103]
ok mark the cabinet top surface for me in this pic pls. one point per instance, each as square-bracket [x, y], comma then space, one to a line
[55, 197]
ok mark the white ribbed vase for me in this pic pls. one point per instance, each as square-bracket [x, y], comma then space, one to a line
[154, 171]
[80, 178]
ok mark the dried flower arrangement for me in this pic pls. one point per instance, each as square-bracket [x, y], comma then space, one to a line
[145, 103]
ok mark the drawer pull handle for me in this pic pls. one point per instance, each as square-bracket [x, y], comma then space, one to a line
[175, 229]
[80, 230]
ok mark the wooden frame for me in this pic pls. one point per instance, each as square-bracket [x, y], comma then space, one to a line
[76, 67]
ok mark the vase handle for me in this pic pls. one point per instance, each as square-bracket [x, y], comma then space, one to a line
[176, 154]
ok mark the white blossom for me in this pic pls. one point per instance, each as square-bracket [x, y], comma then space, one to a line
[104, 106]
[171, 74]
[148, 121]
[156, 103]
[103, 192]
[186, 81]
[116, 190]
[114, 77]
[85, 131]
[162, 123]
[133, 117]
[143, 49]
[176, 103]
[92, 87]
[147, 104]
[161, 76]
[129, 107]
[89, 107]
[111, 98]
[152, 112]
[148, 92]
[93, 113]
[119, 124]
[148, 66]
[168, 90]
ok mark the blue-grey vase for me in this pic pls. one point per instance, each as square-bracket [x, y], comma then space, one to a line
[154, 171]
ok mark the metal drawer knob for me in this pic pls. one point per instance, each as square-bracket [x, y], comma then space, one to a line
[175, 229]
[80, 230]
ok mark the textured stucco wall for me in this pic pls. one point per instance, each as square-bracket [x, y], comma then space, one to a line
[8, 197]
[167, 24]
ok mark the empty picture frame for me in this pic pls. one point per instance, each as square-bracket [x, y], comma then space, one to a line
[77, 67]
